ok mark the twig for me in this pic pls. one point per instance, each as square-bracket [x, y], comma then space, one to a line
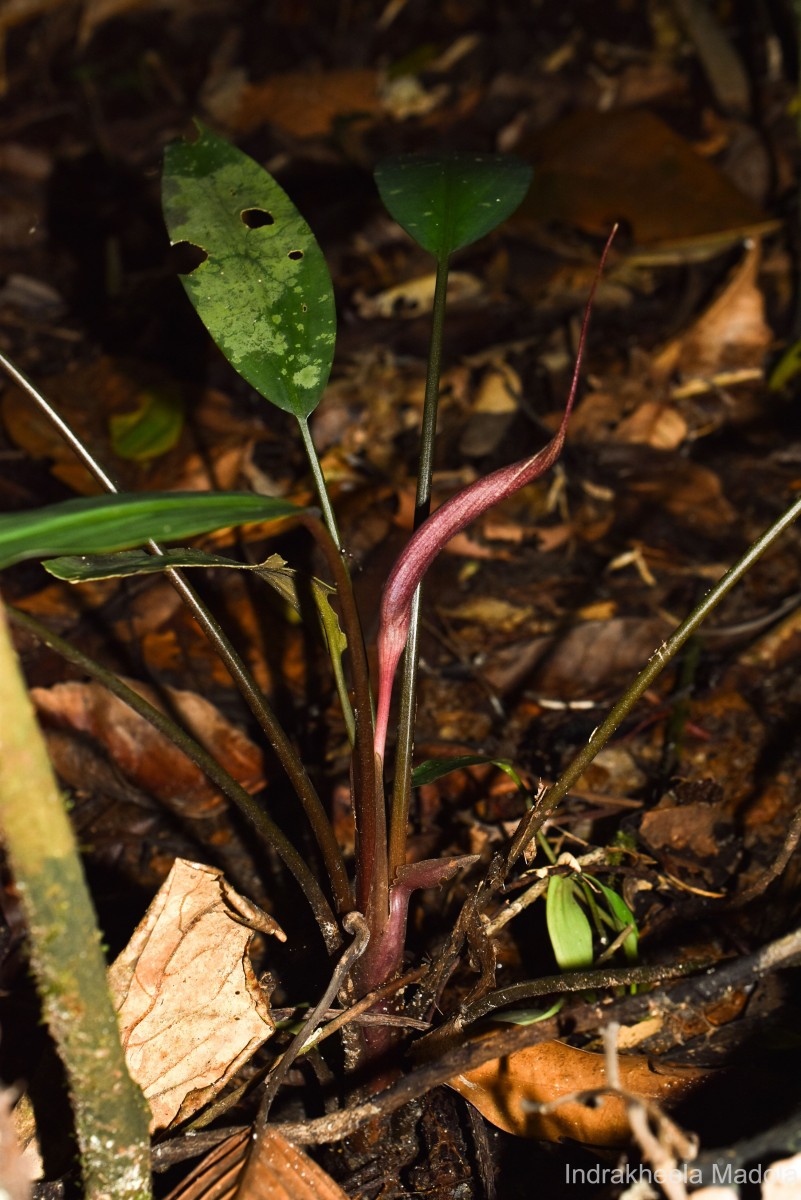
[354, 923]
[709, 986]
[776, 868]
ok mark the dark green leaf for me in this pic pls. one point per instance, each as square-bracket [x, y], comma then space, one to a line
[434, 768]
[445, 201]
[100, 524]
[263, 289]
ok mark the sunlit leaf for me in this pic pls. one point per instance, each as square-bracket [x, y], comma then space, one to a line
[446, 201]
[568, 926]
[259, 281]
[100, 524]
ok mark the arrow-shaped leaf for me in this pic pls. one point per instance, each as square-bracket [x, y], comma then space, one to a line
[446, 201]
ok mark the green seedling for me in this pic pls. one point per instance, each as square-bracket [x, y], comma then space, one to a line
[258, 280]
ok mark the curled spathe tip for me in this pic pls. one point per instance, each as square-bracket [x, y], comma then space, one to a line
[448, 520]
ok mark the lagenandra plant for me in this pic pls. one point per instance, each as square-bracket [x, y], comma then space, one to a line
[259, 282]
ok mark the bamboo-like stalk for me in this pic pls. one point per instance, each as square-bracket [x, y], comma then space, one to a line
[111, 1115]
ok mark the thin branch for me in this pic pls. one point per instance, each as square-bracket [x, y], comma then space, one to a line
[704, 988]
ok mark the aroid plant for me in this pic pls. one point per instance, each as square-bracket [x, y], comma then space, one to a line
[260, 284]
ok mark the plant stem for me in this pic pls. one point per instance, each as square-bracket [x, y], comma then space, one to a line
[368, 801]
[402, 786]
[250, 808]
[111, 1116]
[319, 482]
[659, 660]
[284, 750]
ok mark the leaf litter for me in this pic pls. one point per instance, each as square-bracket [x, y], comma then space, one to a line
[677, 455]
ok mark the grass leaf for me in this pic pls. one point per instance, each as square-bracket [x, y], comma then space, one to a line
[99, 524]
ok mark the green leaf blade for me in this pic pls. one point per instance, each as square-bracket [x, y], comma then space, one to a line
[100, 524]
[263, 291]
[435, 768]
[568, 927]
[446, 201]
[623, 917]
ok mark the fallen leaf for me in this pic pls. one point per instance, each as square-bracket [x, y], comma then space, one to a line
[655, 424]
[148, 758]
[501, 1089]
[275, 1170]
[301, 103]
[591, 655]
[597, 168]
[731, 333]
[415, 297]
[191, 1011]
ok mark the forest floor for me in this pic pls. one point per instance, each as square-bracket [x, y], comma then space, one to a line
[677, 120]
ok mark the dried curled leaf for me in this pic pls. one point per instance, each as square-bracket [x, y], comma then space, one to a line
[190, 1008]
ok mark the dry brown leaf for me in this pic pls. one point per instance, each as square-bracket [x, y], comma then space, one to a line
[17, 1170]
[597, 168]
[216, 1176]
[655, 424]
[596, 654]
[146, 757]
[539, 1074]
[415, 296]
[730, 335]
[190, 1008]
[302, 103]
[276, 1170]
[690, 491]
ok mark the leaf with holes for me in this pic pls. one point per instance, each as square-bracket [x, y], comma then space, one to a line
[446, 201]
[259, 281]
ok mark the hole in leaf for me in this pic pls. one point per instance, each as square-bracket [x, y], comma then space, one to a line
[257, 218]
[295, 255]
[304, 308]
[186, 257]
